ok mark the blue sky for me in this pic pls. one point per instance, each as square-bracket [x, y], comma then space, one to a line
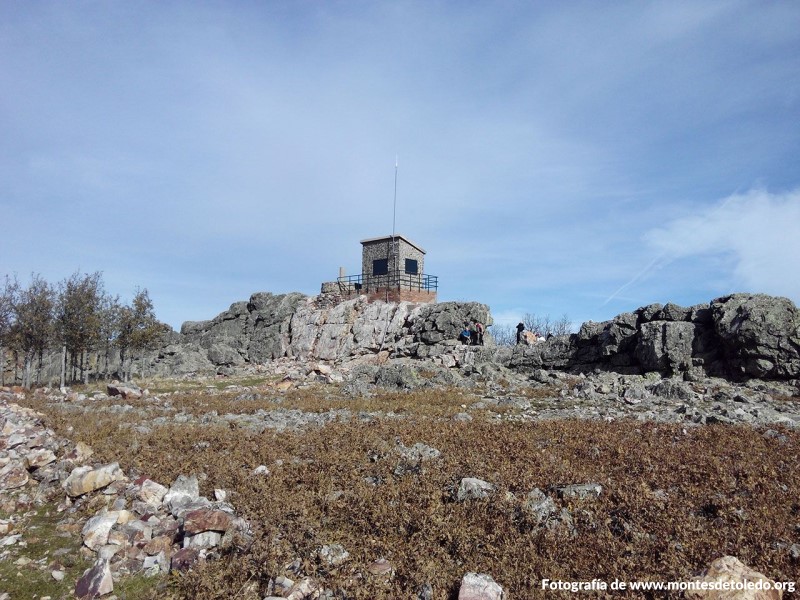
[584, 158]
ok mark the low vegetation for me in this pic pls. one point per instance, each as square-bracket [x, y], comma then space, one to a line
[674, 498]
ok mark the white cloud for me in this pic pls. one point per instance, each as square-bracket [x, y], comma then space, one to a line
[253, 147]
[758, 230]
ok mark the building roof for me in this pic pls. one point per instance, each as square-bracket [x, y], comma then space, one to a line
[396, 235]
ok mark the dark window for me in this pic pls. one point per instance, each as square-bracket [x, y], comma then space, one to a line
[412, 266]
[380, 267]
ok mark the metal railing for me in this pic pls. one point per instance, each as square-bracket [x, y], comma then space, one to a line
[399, 280]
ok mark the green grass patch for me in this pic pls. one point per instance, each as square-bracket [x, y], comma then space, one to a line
[48, 549]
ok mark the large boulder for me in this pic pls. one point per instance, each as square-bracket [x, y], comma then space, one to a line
[556, 353]
[445, 320]
[350, 328]
[759, 335]
[270, 318]
[609, 343]
[83, 480]
[618, 336]
[249, 331]
[187, 357]
[229, 328]
[665, 346]
[223, 355]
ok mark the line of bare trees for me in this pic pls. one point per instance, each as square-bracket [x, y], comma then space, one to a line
[543, 326]
[75, 322]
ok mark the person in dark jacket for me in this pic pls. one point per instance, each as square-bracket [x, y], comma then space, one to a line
[520, 329]
[466, 334]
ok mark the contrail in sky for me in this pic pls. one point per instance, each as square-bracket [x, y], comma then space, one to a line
[636, 278]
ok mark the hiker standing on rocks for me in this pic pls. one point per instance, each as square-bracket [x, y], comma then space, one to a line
[478, 333]
[520, 329]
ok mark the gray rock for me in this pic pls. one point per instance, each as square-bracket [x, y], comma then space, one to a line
[126, 390]
[649, 312]
[539, 505]
[270, 318]
[95, 581]
[556, 353]
[399, 376]
[418, 452]
[223, 355]
[333, 554]
[86, 479]
[760, 335]
[471, 488]
[184, 490]
[475, 586]
[672, 389]
[425, 592]
[413, 457]
[673, 312]
[95, 531]
[665, 346]
[445, 320]
[580, 490]
[794, 551]
[206, 539]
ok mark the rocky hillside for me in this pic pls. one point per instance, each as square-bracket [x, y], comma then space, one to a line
[737, 337]
[292, 325]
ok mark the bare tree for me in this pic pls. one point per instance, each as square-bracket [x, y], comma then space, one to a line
[545, 326]
[503, 334]
[563, 326]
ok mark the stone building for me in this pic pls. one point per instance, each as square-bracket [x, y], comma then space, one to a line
[392, 270]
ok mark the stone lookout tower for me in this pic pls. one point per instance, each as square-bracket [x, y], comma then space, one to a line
[392, 270]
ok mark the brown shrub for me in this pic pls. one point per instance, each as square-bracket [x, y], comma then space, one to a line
[672, 501]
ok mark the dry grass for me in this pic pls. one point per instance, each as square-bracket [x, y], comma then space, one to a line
[313, 399]
[672, 500]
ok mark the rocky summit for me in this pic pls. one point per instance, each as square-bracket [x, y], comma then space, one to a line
[270, 326]
[736, 337]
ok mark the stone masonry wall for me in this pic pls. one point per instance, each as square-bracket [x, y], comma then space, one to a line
[381, 249]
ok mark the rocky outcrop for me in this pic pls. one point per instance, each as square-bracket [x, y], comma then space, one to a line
[759, 335]
[738, 337]
[254, 331]
[270, 326]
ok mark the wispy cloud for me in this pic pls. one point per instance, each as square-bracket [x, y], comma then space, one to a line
[254, 144]
[756, 230]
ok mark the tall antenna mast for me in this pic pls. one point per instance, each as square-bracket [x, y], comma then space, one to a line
[394, 208]
[392, 269]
